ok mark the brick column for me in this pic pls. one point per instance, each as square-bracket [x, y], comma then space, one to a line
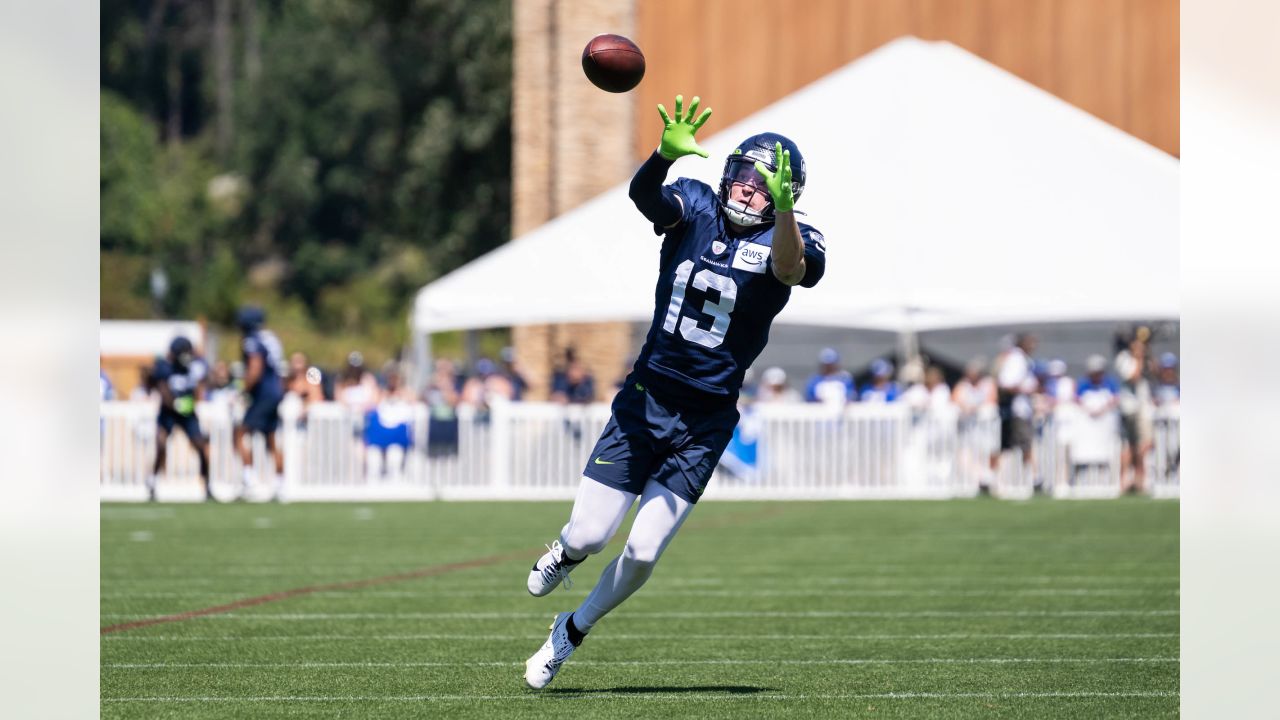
[572, 142]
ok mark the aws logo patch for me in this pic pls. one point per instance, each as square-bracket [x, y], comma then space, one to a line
[751, 257]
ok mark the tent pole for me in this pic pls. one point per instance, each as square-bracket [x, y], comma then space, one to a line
[421, 359]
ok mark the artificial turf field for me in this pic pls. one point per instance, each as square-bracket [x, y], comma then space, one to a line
[963, 608]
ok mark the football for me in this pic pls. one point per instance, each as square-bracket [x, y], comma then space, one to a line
[613, 63]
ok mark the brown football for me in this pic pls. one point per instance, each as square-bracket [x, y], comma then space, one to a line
[613, 63]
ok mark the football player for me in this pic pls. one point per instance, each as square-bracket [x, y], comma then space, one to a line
[180, 378]
[263, 358]
[727, 263]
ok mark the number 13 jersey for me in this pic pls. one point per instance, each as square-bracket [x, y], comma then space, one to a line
[716, 297]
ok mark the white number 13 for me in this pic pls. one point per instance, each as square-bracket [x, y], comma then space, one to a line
[719, 311]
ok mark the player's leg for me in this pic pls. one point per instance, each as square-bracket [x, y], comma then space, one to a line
[597, 512]
[162, 447]
[660, 516]
[277, 457]
[191, 426]
[615, 473]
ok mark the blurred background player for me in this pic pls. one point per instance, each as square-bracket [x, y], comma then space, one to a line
[179, 377]
[728, 261]
[263, 357]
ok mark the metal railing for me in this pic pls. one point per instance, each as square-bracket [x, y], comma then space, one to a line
[538, 451]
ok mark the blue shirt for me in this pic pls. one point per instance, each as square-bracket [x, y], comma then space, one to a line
[716, 297]
[1108, 385]
[888, 393]
[822, 388]
[265, 344]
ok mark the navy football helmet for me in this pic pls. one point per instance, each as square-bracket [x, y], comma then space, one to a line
[181, 351]
[250, 318]
[740, 168]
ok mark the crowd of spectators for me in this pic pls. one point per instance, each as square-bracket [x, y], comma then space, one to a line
[1016, 386]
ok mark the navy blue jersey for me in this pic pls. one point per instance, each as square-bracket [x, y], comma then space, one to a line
[181, 381]
[716, 296]
[265, 344]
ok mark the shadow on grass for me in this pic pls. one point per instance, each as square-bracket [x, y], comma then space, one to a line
[650, 689]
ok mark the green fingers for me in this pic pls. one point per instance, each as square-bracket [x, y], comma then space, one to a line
[677, 134]
[779, 183]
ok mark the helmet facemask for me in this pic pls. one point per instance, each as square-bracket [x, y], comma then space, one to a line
[740, 173]
[740, 186]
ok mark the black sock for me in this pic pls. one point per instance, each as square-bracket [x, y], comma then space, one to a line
[570, 561]
[575, 635]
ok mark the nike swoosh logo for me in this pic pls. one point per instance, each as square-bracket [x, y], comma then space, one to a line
[603, 462]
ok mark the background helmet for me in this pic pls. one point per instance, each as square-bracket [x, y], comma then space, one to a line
[250, 318]
[181, 351]
[740, 167]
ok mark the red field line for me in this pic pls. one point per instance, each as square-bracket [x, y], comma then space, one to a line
[726, 521]
[348, 585]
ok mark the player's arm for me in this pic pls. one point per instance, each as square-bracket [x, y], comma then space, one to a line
[788, 247]
[660, 204]
[166, 395]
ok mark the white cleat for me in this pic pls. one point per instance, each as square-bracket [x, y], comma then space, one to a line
[552, 568]
[541, 669]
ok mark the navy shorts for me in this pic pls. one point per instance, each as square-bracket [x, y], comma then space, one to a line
[190, 425]
[649, 438]
[263, 414]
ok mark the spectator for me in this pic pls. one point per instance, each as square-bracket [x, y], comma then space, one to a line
[222, 391]
[976, 390]
[831, 385]
[357, 389]
[574, 383]
[1135, 409]
[441, 396]
[1014, 385]
[388, 427]
[511, 369]
[486, 386]
[1059, 387]
[1097, 392]
[1098, 398]
[774, 389]
[882, 388]
[1168, 392]
[145, 390]
[304, 381]
[932, 395]
[106, 391]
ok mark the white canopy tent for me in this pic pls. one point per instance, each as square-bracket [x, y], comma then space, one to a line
[951, 194]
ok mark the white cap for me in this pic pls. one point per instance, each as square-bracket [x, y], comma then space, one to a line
[774, 376]
[1095, 363]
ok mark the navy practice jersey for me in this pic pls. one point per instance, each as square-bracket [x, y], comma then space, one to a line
[181, 381]
[716, 295]
[265, 344]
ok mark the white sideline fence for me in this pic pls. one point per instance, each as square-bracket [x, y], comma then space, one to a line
[537, 451]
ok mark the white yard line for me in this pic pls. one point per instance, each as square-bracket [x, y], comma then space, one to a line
[680, 636]
[814, 592]
[632, 697]
[664, 615]
[613, 663]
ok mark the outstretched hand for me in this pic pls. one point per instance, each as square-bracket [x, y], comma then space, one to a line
[779, 183]
[677, 135]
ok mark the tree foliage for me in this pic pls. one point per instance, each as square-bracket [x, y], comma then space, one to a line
[339, 153]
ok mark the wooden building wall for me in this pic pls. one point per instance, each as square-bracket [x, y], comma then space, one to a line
[1117, 59]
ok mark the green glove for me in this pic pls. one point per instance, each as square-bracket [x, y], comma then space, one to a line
[677, 136]
[779, 183]
[184, 405]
